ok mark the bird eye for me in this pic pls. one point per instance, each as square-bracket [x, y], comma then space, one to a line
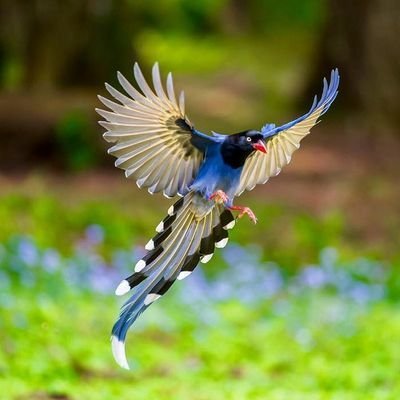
[248, 138]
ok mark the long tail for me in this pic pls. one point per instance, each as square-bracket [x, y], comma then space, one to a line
[189, 233]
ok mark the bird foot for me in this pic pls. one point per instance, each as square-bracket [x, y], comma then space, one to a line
[243, 211]
[219, 197]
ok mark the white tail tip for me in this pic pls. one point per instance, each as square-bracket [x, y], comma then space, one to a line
[160, 227]
[122, 288]
[230, 225]
[150, 298]
[206, 258]
[118, 350]
[140, 265]
[183, 275]
[222, 243]
[149, 245]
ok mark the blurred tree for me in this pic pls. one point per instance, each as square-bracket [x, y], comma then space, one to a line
[259, 17]
[48, 47]
[361, 38]
[53, 44]
[59, 43]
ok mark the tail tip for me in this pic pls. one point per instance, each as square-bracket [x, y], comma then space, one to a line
[118, 350]
[230, 225]
[122, 288]
[150, 245]
[160, 227]
[140, 265]
[206, 258]
[183, 275]
[222, 243]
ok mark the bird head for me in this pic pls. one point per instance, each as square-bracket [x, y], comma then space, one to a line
[251, 140]
[237, 147]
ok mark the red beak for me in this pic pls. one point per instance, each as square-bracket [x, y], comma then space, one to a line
[260, 146]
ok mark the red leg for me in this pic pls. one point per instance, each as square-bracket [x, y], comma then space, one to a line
[219, 196]
[243, 211]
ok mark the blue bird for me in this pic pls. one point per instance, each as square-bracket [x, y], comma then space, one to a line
[157, 145]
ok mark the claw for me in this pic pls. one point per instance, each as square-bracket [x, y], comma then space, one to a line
[243, 211]
[219, 197]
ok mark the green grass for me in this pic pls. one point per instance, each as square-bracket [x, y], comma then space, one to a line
[55, 347]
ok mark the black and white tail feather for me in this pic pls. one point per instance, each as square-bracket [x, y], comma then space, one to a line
[185, 237]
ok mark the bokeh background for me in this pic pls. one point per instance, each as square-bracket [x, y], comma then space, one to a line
[304, 305]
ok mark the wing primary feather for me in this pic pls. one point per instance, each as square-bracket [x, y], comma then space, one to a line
[120, 97]
[170, 89]
[283, 140]
[132, 110]
[143, 84]
[141, 101]
[182, 102]
[144, 121]
[158, 85]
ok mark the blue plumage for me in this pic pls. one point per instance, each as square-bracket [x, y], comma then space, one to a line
[214, 174]
[156, 145]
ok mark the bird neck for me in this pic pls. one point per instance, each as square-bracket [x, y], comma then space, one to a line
[234, 156]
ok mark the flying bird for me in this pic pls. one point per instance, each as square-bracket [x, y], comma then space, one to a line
[158, 146]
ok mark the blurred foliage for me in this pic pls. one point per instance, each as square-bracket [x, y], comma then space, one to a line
[72, 134]
[236, 60]
[242, 63]
[102, 36]
[287, 236]
[282, 316]
[302, 238]
[247, 333]
[296, 313]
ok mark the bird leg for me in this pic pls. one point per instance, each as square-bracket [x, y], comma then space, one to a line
[219, 197]
[243, 211]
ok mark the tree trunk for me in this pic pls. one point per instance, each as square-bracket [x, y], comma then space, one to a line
[361, 39]
[66, 43]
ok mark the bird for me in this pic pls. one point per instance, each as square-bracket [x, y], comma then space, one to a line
[158, 146]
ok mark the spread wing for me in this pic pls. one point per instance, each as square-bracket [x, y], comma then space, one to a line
[283, 141]
[154, 140]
